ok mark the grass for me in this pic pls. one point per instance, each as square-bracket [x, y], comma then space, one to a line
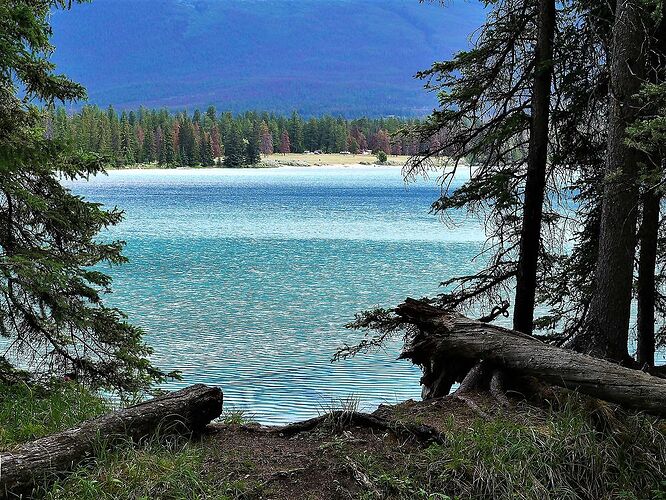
[29, 412]
[575, 450]
[567, 455]
[158, 469]
[236, 417]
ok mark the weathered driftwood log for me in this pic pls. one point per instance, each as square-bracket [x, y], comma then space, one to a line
[186, 411]
[447, 345]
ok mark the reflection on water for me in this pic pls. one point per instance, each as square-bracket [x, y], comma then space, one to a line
[246, 278]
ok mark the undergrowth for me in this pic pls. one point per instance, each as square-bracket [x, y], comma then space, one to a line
[570, 453]
[574, 451]
[160, 468]
[30, 411]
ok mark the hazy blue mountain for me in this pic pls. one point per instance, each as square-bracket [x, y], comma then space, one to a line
[349, 57]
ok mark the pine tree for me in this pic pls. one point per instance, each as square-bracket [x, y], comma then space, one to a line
[234, 148]
[266, 139]
[211, 114]
[147, 148]
[253, 150]
[296, 133]
[168, 150]
[215, 141]
[206, 151]
[285, 144]
[382, 142]
[52, 258]
[537, 167]
[126, 153]
[608, 322]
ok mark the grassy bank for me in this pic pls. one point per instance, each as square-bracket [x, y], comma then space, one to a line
[573, 448]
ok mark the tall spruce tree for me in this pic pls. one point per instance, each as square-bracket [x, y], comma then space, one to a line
[486, 101]
[537, 167]
[52, 312]
[234, 148]
[607, 330]
[253, 150]
[648, 135]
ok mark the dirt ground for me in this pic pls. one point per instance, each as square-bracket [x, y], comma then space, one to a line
[321, 463]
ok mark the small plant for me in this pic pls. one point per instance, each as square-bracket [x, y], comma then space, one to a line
[381, 157]
[236, 417]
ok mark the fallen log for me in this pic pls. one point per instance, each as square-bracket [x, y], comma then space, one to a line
[447, 345]
[181, 412]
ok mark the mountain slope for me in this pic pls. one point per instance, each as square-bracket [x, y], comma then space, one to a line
[344, 57]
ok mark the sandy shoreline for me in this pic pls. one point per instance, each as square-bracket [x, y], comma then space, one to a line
[276, 167]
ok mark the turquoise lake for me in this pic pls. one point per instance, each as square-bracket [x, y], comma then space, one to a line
[245, 278]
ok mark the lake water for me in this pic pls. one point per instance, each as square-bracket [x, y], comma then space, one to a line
[245, 278]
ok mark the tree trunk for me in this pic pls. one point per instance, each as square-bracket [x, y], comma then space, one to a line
[186, 411]
[608, 321]
[646, 278]
[649, 230]
[535, 183]
[451, 340]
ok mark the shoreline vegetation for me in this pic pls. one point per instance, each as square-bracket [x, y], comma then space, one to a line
[566, 446]
[278, 160]
[151, 136]
[543, 96]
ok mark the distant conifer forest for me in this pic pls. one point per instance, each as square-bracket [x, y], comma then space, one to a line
[149, 136]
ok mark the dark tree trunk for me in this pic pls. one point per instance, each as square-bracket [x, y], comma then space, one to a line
[535, 183]
[646, 278]
[451, 341]
[608, 321]
[649, 229]
[185, 411]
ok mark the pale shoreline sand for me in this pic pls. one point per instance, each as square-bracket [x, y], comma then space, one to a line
[276, 167]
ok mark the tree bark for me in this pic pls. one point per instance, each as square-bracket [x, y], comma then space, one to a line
[608, 321]
[451, 339]
[646, 278]
[186, 411]
[649, 229]
[535, 183]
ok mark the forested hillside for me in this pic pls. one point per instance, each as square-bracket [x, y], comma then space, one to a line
[314, 56]
[182, 139]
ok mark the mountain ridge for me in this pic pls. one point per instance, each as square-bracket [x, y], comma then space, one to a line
[316, 56]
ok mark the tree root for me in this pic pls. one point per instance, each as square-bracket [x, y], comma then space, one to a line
[497, 388]
[472, 405]
[362, 478]
[343, 419]
[482, 377]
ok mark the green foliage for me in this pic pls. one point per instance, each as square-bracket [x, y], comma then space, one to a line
[235, 417]
[568, 454]
[234, 148]
[52, 311]
[28, 411]
[163, 137]
[253, 150]
[158, 469]
[648, 134]
[381, 157]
